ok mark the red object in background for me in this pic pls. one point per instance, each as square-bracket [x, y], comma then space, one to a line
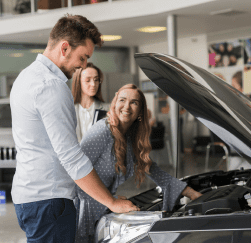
[53, 4]
[94, 1]
[48, 4]
[212, 59]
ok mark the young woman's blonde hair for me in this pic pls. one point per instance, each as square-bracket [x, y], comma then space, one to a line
[76, 83]
[139, 133]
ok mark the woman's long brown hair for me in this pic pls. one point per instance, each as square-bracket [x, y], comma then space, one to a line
[76, 84]
[139, 133]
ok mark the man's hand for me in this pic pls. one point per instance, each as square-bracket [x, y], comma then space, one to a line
[95, 188]
[123, 206]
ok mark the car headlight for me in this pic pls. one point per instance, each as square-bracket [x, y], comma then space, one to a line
[123, 228]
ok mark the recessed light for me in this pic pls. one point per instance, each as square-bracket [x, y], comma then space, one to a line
[16, 55]
[111, 37]
[151, 29]
[37, 50]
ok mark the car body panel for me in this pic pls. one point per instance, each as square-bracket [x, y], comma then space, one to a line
[219, 106]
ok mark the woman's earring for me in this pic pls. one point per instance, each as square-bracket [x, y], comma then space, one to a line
[139, 118]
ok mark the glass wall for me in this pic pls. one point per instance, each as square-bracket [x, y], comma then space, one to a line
[14, 58]
[111, 59]
[13, 7]
[42, 5]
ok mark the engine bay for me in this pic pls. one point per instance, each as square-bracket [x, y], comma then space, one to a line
[223, 192]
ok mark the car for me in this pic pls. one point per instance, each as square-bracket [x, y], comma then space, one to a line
[222, 214]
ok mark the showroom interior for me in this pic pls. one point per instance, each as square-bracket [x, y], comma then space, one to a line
[192, 30]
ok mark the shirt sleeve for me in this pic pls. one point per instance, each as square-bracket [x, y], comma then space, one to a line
[54, 104]
[94, 140]
[171, 186]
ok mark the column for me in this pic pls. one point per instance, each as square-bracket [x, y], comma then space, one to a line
[174, 107]
[133, 65]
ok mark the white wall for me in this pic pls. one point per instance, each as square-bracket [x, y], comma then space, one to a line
[233, 34]
[190, 49]
[194, 50]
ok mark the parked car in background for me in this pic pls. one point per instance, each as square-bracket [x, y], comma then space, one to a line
[222, 214]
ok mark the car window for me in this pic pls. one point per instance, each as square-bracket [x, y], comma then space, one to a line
[5, 115]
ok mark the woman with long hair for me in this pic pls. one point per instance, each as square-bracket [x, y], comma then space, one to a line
[86, 91]
[118, 146]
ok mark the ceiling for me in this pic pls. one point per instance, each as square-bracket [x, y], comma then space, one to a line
[191, 21]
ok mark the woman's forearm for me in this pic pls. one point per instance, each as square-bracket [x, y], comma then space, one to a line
[191, 193]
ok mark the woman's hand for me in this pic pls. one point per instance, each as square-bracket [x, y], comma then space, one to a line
[191, 193]
[122, 197]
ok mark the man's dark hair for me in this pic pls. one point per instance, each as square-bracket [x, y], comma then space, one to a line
[75, 29]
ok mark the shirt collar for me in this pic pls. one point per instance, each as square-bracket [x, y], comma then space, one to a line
[52, 66]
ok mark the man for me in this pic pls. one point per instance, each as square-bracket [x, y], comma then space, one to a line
[49, 158]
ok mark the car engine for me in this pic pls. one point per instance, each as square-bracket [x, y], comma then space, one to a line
[223, 192]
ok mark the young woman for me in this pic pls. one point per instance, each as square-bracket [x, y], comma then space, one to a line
[118, 147]
[86, 91]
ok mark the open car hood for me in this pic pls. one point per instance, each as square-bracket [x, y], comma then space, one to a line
[219, 106]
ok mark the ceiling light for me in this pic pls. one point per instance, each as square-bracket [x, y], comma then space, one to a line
[16, 55]
[111, 37]
[37, 50]
[151, 29]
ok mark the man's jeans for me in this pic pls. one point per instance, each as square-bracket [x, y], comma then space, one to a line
[48, 221]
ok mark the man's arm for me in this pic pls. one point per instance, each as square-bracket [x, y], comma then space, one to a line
[56, 110]
[94, 187]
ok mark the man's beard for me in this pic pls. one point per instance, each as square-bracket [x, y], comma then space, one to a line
[64, 69]
[66, 72]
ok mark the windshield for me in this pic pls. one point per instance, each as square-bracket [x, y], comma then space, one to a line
[5, 116]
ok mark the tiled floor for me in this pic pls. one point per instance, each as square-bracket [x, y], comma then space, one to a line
[10, 231]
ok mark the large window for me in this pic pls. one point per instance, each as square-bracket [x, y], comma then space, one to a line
[50, 4]
[53, 4]
[14, 58]
[12, 7]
